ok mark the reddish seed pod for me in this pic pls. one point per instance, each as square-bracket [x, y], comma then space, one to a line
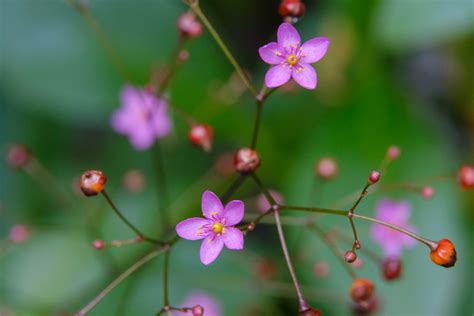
[98, 244]
[326, 168]
[291, 9]
[393, 152]
[374, 177]
[92, 182]
[197, 310]
[391, 268]
[350, 256]
[466, 177]
[189, 26]
[246, 160]
[201, 135]
[362, 289]
[444, 254]
[310, 312]
[18, 156]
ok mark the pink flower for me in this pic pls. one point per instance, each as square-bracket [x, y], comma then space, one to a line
[216, 228]
[141, 116]
[391, 241]
[291, 59]
[210, 304]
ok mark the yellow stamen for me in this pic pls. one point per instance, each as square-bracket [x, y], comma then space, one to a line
[217, 228]
[292, 60]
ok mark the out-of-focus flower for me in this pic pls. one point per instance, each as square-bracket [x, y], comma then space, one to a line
[392, 241]
[19, 233]
[188, 25]
[393, 152]
[262, 202]
[134, 181]
[18, 156]
[326, 168]
[98, 244]
[198, 298]
[466, 177]
[216, 228]
[142, 117]
[290, 59]
[427, 192]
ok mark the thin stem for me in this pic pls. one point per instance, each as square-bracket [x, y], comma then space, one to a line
[302, 303]
[351, 214]
[430, 243]
[256, 128]
[314, 209]
[165, 278]
[371, 254]
[125, 220]
[174, 65]
[233, 187]
[162, 185]
[118, 280]
[264, 190]
[194, 5]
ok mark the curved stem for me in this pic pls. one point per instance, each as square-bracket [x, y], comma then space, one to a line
[351, 214]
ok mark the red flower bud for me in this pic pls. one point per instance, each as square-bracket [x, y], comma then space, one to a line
[444, 254]
[326, 168]
[366, 307]
[350, 256]
[98, 244]
[466, 177]
[393, 152]
[201, 135]
[362, 289]
[374, 177]
[310, 312]
[197, 310]
[93, 182]
[391, 268]
[188, 26]
[18, 156]
[291, 9]
[427, 192]
[246, 160]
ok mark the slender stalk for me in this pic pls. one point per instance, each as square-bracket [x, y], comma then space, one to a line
[314, 209]
[173, 64]
[194, 5]
[233, 187]
[371, 254]
[430, 243]
[264, 190]
[162, 185]
[256, 128]
[165, 278]
[84, 311]
[126, 221]
[351, 214]
[302, 303]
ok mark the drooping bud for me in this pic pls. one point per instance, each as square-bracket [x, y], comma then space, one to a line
[391, 268]
[466, 177]
[444, 254]
[393, 152]
[93, 182]
[427, 192]
[197, 310]
[374, 177]
[18, 156]
[98, 244]
[291, 10]
[350, 256]
[362, 289]
[189, 26]
[201, 135]
[326, 168]
[246, 160]
[310, 312]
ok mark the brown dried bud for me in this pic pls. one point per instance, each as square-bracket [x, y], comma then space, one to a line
[197, 310]
[350, 256]
[93, 182]
[374, 177]
[326, 168]
[18, 156]
[189, 26]
[362, 289]
[444, 254]
[466, 177]
[391, 268]
[246, 160]
[201, 135]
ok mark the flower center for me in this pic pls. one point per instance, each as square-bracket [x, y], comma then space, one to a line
[292, 60]
[217, 228]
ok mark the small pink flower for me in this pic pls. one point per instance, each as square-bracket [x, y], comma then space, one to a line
[210, 304]
[290, 59]
[262, 203]
[216, 228]
[141, 116]
[391, 241]
[19, 233]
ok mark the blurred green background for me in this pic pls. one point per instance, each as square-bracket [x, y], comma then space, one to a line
[397, 72]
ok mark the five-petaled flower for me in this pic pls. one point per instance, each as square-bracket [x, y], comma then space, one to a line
[291, 59]
[216, 228]
[141, 116]
[391, 241]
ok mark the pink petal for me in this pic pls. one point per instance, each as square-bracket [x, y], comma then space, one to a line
[161, 121]
[129, 96]
[122, 121]
[277, 76]
[305, 76]
[392, 249]
[234, 212]
[314, 49]
[233, 238]
[288, 35]
[142, 137]
[210, 249]
[189, 228]
[271, 53]
[211, 205]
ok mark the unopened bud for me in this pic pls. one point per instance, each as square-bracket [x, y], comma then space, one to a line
[350, 256]
[362, 289]
[444, 254]
[374, 177]
[291, 9]
[326, 168]
[393, 152]
[310, 312]
[197, 310]
[18, 156]
[189, 26]
[201, 135]
[427, 192]
[246, 160]
[98, 244]
[93, 182]
[466, 177]
[391, 268]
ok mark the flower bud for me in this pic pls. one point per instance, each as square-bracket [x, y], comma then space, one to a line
[18, 156]
[362, 289]
[427, 192]
[350, 256]
[197, 310]
[310, 312]
[374, 177]
[444, 254]
[466, 177]
[93, 182]
[246, 160]
[201, 135]
[98, 244]
[291, 9]
[189, 26]
[326, 168]
[393, 152]
[391, 268]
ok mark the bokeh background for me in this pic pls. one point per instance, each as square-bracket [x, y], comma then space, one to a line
[397, 72]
